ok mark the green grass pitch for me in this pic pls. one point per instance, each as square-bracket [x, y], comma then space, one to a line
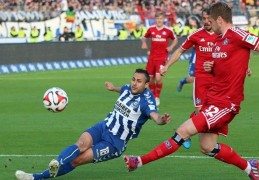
[30, 136]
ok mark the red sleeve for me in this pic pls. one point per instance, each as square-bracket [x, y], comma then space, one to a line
[147, 35]
[250, 41]
[188, 43]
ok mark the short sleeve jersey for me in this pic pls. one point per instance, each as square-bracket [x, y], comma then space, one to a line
[130, 113]
[231, 55]
[203, 42]
[159, 42]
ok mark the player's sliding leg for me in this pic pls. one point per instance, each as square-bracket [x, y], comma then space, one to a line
[168, 147]
[57, 167]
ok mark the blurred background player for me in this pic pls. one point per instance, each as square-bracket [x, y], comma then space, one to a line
[107, 139]
[190, 78]
[160, 36]
[201, 41]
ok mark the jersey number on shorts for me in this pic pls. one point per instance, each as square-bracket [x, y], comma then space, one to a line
[211, 111]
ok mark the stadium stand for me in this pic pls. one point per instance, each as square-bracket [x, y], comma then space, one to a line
[101, 19]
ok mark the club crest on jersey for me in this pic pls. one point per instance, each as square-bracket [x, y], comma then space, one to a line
[197, 101]
[225, 42]
[251, 39]
[135, 104]
[163, 33]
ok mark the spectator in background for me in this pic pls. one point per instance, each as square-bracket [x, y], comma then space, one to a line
[79, 33]
[21, 33]
[122, 33]
[13, 32]
[254, 30]
[66, 36]
[34, 35]
[137, 33]
[48, 35]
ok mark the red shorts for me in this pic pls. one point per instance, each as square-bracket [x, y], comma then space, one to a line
[153, 67]
[213, 119]
[200, 88]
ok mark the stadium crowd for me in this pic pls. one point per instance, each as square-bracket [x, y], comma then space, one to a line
[145, 9]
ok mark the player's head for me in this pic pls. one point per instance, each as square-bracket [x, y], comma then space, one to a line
[160, 18]
[205, 19]
[139, 81]
[220, 13]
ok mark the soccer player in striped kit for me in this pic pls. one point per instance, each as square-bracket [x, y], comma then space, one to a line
[107, 139]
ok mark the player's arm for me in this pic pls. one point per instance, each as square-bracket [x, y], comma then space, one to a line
[160, 119]
[110, 87]
[176, 55]
[249, 72]
[144, 43]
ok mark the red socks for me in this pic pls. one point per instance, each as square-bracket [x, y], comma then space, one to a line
[158, 90]
[152, 88]
[228, 155]
[162, 150]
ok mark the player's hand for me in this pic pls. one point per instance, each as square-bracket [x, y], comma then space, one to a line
[249, 72]
[109, 86]
[208, 65]
[144, 46]
[169, 49]
[166, 118]
[163, 70]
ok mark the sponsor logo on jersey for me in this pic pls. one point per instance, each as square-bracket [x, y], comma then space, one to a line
[202, 40]
[122, 108]
[251, 39]
[159, 38]
[218, 55]
[205, 49]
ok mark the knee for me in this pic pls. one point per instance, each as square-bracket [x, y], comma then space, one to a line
[210, 151]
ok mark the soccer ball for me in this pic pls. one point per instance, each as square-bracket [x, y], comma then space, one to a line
[55, 99]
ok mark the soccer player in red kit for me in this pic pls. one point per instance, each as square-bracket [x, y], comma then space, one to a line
[160, 36]
[202, 40]
[230, 58]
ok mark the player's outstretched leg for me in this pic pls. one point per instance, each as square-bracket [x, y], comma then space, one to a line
[21, 175]
[57, 167]
[254, 173]
[164, 149]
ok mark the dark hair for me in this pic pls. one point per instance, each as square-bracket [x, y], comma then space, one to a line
[220, 9]
[205, 10]
[142, 71]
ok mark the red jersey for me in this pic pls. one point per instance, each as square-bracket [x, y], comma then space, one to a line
[231, 55]
[203, 42]
[159, 42]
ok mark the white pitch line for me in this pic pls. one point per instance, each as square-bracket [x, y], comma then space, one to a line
[52, 155]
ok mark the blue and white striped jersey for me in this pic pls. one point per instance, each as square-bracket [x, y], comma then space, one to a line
[130, 113]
